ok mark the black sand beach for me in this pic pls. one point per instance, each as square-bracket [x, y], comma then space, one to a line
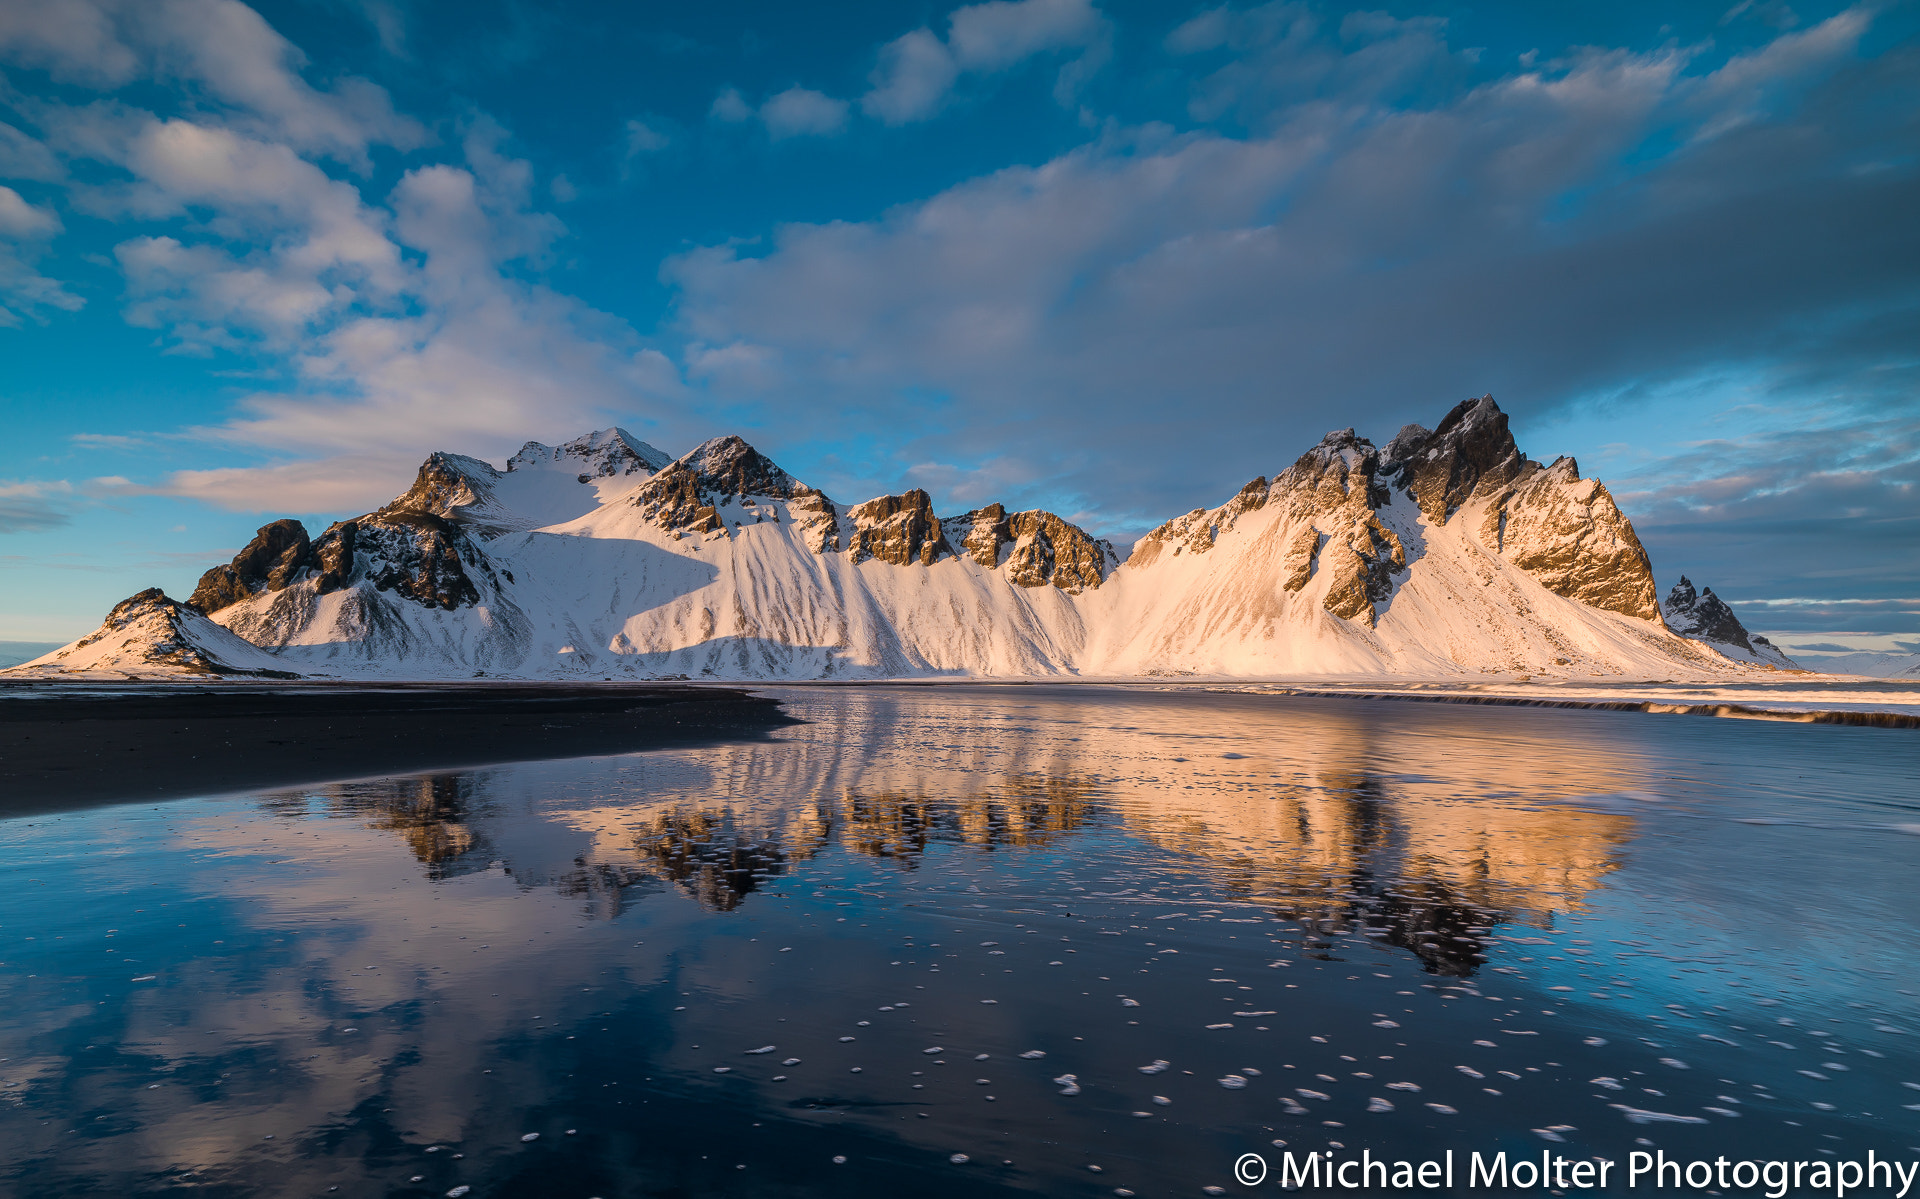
[68, 745]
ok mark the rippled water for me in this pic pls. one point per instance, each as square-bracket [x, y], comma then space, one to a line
[1094, 940]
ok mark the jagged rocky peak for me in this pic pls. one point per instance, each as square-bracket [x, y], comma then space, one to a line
[1565, 531]
[1332, 493]
[1049, 550]
[1472, 452]
[686, 495]
[447, 485]
[900, 529]
[1342, 471]
[277, 555]
[1038, 548]
[413, 547]
[1568, 533]
[605, 453]
[1703, 616]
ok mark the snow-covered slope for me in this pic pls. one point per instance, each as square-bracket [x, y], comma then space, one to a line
[149, 636]
[1448, 553]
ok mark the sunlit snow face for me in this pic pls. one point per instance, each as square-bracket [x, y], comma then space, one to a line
[986, 930]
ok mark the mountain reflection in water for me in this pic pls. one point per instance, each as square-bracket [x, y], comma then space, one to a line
[1309, 825]
[1339, 923]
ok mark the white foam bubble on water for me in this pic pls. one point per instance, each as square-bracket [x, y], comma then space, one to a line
[1637, 1115]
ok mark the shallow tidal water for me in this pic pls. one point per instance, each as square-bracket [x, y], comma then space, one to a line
[974, 939]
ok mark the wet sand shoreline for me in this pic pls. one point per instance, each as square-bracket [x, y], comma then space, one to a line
[73, 745]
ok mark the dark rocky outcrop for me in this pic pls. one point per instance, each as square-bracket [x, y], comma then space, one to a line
[1565, 531]
[1704, 616]
[1039, 549]
[1331, 492]
[980, 533]
[674, 500]
[1048, 550]
[277, 555]
[1472, 452]
[1568, 533]
[413, 547]
[900, 529]
[417, 555]
[333, 556]
[687, 494]
[446, 485]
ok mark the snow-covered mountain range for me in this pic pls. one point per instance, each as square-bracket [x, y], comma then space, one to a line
[1874, 664]
[1446, 553]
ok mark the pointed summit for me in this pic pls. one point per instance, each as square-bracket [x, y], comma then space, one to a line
[687, 495]
[1472, 452]
[1704, 616]
[598, 455]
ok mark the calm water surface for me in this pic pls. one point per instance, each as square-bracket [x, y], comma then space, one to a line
[1097, 941]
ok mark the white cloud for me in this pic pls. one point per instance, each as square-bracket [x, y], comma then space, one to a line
[1211, 295]
[730, 106]
[27, 507]
[917, 71]
[220, 47]
[22, 221]
[477, 361]
[73, 39]
[802, 112]
[230, 49]
[22, 157]
[24, 291]
[995, 35]
[645, 138]
[317, 248]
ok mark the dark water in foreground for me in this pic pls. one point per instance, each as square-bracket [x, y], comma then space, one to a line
[830, 961]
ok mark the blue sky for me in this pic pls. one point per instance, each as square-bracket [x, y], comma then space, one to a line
[1111, 259]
